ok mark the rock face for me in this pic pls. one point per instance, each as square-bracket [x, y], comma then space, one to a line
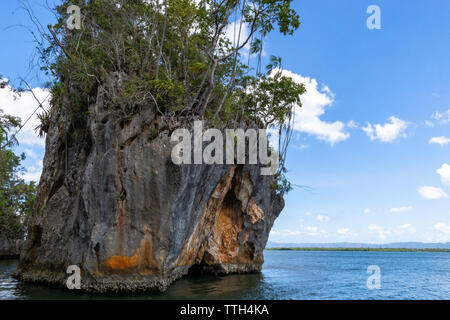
[112, 202]
[10, 248]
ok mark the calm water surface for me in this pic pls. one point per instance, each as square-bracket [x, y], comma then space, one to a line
[290, 275]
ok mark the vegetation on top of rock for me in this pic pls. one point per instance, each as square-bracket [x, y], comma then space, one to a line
[182, 58]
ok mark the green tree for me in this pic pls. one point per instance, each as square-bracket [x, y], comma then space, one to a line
[169, 55]
[16, 196]
[174, 57]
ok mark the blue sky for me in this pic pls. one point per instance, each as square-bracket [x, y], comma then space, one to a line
[362, 146]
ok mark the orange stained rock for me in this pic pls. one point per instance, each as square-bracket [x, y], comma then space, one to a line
[122, 263]
[212, 209]
[142, 260]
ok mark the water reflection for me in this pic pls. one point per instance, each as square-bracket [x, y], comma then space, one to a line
[192, 287]
[210, 287]
[288, 275]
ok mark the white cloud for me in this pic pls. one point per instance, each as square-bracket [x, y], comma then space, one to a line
[442, 141]
[407, 227]
[314, 102]
[438, 117]
[323, 218]
[33, 173]
[442, 117]
[308, 213]
[444, 172]
[442, 232]
[429, 123]
[380, 232]
[343, 231]
[327, 90]
[367, 210]
[441, 227]
[284, 232]
[23, 106]
[300, 147]
[232, 33]
[432, 193]
[31, 153]
[313, 231]
[401, 209]
[393, 129]
[352, 124]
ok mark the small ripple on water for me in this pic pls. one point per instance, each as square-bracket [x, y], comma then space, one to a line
[290, 275]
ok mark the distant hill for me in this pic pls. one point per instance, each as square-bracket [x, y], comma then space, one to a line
[403, 245]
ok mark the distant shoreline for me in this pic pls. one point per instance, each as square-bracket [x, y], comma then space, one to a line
[360, 249]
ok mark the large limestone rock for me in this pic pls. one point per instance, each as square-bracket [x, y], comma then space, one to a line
[112, 202]
[10, 248]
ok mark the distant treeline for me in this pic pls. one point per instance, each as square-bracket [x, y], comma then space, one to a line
[365, 249]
